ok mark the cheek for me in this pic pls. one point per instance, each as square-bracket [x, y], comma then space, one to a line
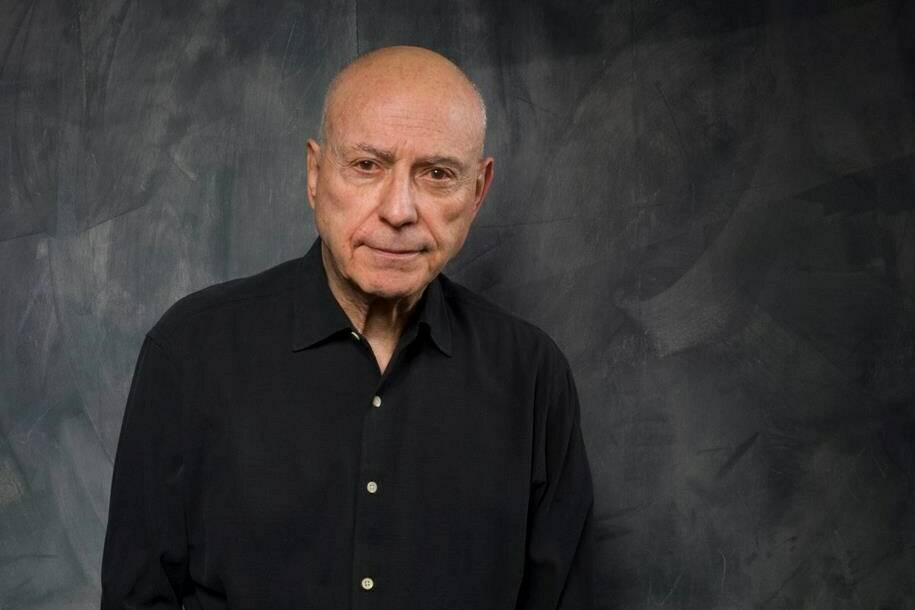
[451, 218]
[340, 208]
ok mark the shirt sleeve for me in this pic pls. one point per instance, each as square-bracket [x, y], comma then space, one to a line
[559, 565]
[144, 562]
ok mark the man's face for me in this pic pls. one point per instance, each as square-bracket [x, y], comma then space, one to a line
[396, 185]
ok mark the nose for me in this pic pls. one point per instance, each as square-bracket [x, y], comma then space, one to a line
[398, 203]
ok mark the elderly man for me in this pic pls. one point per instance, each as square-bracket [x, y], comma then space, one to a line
[352, 429]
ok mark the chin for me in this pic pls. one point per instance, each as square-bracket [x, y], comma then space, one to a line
[391, 287]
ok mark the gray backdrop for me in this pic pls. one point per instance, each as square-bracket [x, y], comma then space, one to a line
[710, 206]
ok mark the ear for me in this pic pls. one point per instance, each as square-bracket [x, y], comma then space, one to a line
[313, 163]
[484, 179]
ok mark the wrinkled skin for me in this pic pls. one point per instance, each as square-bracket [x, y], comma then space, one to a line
[399, 177]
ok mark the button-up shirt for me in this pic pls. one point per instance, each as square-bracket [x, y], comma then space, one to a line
[265, 462]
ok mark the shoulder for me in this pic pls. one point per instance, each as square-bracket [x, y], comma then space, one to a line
[498, 330]
[223, 299]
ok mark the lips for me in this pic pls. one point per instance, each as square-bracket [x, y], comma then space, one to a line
[395, 251]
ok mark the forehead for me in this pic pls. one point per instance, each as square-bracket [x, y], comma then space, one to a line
[433, 117]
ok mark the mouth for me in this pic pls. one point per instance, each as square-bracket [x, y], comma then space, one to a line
[397, 254]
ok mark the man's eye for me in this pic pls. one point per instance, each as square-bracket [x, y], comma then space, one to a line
[366, 165]
[437, 173]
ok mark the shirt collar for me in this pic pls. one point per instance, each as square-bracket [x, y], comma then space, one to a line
[318, 315]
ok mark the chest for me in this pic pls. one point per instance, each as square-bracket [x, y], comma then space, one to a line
[293, 438]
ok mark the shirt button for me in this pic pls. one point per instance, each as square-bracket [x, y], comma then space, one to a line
[376, 401]
[372, 486]
[354, 334]
[367, 583]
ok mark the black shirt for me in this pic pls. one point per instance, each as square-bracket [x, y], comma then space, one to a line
[264, 461]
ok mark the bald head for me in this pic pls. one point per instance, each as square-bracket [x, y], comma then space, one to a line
[403, 70]
[399, 175]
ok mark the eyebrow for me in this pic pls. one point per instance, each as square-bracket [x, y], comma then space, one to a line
[388, 157]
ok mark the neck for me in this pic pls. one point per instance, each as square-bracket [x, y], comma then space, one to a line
[372, 315]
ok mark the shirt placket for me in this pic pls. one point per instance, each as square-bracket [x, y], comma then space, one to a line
[368, 554]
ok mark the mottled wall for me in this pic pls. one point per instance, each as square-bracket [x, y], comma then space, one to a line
[710, 205]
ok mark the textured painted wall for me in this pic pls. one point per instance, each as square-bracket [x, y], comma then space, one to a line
[710, 205]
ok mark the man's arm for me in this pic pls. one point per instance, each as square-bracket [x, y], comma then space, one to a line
[559, 570]
[144, 564]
